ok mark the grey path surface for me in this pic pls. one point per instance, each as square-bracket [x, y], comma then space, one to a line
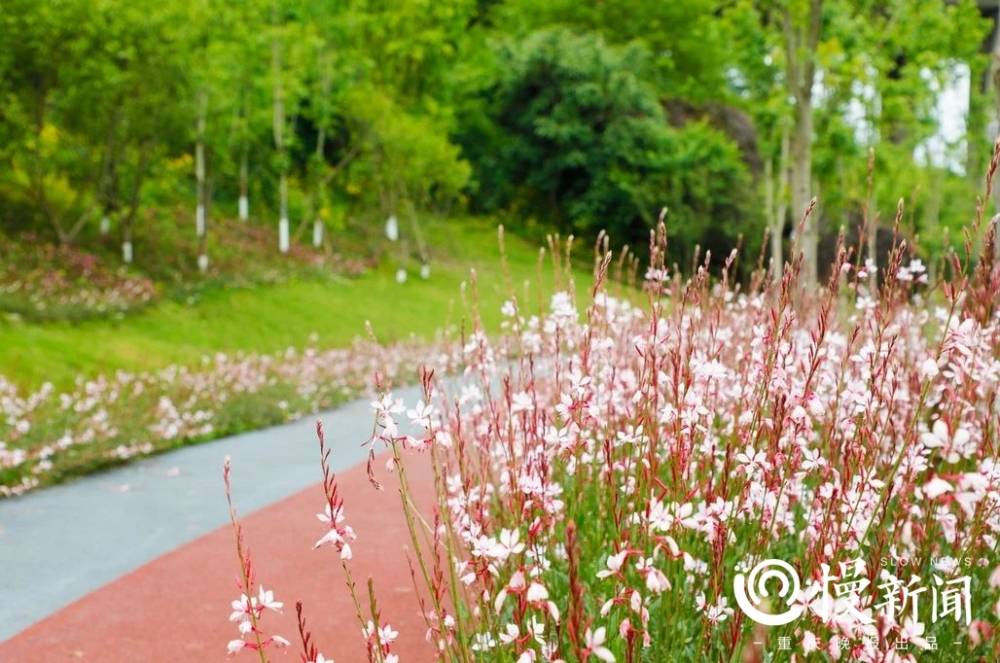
[60, 543]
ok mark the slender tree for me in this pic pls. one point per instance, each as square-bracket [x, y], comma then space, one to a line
[802, 22]
[776, 201]
[279, 127]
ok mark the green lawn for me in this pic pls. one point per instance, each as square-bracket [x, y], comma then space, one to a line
[272, 317]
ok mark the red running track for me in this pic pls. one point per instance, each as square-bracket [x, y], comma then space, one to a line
[176, 608]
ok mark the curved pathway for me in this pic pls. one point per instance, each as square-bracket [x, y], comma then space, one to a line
[138, 563]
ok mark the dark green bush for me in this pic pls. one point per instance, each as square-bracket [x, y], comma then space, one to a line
[575, 135]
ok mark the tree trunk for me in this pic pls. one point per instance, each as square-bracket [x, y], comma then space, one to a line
[777, 193]
[319, 159]
[801, 39]
[769, 213]
[38, 168]
[933, 221]
[199, 162]
[279, 135]
[244, 202]
[203, 241]
[127, 246]
[801, 185]
[283, 229]
[871, 226]
[995, 77]
[201, 212]
[782, 211]
[318, 233]
[134, 200]
[108, 187]
[244, 210]
[317, 195]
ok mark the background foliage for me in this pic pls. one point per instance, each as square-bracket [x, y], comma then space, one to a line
[582, 117]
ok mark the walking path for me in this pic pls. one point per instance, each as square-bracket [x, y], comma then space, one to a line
[145, 553]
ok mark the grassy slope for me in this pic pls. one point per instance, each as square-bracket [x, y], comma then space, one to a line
[270, 318]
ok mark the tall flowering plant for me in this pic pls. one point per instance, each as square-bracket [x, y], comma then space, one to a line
[248, 610]
[608, 475]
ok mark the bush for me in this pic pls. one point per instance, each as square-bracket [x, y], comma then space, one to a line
[575, 134]
[402, 156]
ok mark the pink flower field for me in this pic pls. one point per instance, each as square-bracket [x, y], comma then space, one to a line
[79, 286]
[47, 435]
[701, 471]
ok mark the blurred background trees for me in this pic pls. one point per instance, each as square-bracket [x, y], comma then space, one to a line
[303, 118]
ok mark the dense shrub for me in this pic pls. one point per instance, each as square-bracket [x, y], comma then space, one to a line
[573, 133]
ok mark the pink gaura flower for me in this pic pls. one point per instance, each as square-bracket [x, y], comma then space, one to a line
[614, 565]
[594, 641]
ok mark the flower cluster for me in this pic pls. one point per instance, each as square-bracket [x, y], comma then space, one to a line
[46, 434]
[339, 534]
[604, 474]
[247, 613]
[248, 609]
[378, 635]
[45, 281]
[643, 451]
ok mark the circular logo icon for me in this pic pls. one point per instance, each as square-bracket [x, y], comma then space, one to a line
[751, 590]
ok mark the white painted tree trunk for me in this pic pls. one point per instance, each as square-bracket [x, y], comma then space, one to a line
[279, 135]
[283, 229]
[127, 252]
[283, 243]
[769, 207]
[105, 226]
[244, 210]
[392, 228]
[283, 212]
[317, 233]
[319, 161]
[203, 263]
[199, 162]
[871, 242]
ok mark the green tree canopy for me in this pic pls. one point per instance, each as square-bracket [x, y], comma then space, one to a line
[574, 133]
